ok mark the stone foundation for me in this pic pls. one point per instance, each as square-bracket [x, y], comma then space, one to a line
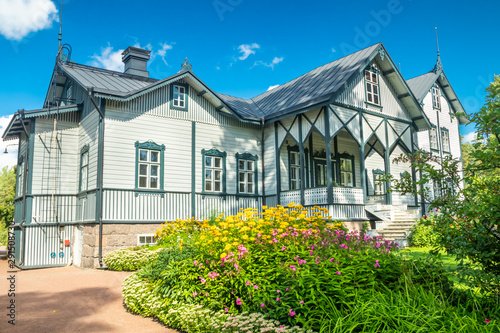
[114, 237]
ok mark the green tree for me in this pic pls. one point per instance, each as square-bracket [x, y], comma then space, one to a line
[7, 194]
[466, 218]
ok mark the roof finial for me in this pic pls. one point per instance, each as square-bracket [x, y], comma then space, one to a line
[186, 66]
[60, 26]
[439, 66]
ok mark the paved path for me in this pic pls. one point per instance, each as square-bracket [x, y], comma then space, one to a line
[69, 299]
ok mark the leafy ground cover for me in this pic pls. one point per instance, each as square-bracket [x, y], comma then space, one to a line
[289, 270]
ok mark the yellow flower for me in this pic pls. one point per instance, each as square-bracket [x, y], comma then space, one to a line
[227, 247]
[224, 239]
[245, 237]
[222, 255]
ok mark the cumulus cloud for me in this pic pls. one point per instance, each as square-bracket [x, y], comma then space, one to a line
[163, 51]
[275, 61]
[247, 49]
[272, 87]
[20, 17]
[9, 159]
[333, 50]
[108, 59]
[469, 137]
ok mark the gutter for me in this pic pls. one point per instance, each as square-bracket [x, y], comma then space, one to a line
[25, 185]
[100, 165]
[262, 163]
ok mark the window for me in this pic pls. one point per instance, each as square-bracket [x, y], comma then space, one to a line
[214, 169]
[378, 183]
[294, 170]
[84, 169]
[436, 104]
[346, 170]
[147, 239]
[433, 138]
[437, 188]
[445, 139]
[247, 173]
[149, 166]
[179, 93]
[20, 177]
[320, 169]
[372, 91]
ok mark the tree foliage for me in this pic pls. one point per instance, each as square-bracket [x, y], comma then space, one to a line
[7, 193]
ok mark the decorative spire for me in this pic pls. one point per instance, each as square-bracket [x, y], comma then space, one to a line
[186, 66]
[438, 66]
[60, 26]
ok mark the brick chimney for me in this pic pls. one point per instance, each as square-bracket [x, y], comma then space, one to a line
[136, 61]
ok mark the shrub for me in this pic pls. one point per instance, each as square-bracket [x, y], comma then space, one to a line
[423, 234]
[129, 259]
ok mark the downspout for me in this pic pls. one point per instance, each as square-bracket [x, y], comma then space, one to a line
[262, 163]
[25, 186]
[100, 165]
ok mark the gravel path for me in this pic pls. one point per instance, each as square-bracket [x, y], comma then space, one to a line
[69, 299]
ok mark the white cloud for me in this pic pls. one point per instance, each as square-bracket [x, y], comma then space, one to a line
[108, 59]
[9, 159]
[272, 87]
[469, 137]
[217, 68]
[20, 17]
[333, 50]
[247, 49]
[275, 61]
[163, 51]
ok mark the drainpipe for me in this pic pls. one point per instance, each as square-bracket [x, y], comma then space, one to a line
[100, 165]
[262, 163]
[25, 185]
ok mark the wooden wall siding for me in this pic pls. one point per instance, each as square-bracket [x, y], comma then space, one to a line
[284, 165]
[86, 208]
[48, 209]
[122, 130]
[229, 140]
[313, 120]
[354, 95]
[398, 130]
[124, 205]
[396, 170]
[80, 95]
[269, 159]
[157, 103]
[373, 162]
[41, 241]
[89, 135]
[348, 145]
[55, 166]
[271, 201]
[207, 206]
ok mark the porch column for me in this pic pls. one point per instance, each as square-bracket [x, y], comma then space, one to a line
[302, 163]
[413, 173]
[362, 158]
[387, 160]
[278, 164]
[329, 180]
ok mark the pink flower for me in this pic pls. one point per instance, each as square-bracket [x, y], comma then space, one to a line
[226, 309]
[286, 289]
[248, 283]
[283, 248]
[278, 291]
[337, 272]
[486, 320]
[262, 305]
[277, 299]
[194, 294]
[291, 313]
[238, 301]
[377, 264]
[258, 235]
[292, 267]
[331, 259]
[301, 302]
[203, 281]
[256, 287]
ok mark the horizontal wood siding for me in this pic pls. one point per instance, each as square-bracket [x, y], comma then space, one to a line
[373, 162]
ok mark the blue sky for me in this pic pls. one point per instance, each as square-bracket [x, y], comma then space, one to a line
[242, 47]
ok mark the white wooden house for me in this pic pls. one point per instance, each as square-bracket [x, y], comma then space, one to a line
[111, 155]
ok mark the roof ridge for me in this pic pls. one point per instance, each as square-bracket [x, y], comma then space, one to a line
[108, 71]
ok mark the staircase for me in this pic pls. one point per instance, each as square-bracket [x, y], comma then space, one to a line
[396, 222]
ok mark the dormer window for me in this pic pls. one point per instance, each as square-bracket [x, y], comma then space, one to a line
[179, 100]
[436, 94]
[372, 89]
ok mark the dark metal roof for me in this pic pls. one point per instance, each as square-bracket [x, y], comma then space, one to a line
[420, 85]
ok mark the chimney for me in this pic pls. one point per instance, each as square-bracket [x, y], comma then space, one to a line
[136, 61]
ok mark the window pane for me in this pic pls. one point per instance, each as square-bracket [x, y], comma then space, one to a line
[217, 187]
[370, 99]
[143, 155]
[369, 87]
[155, 156]
[181, 104]
[217, 162]
[374, 77]
[242, 165]
[182, 90]
[375, 99]
[250, 177]
[181, 97]
[342, 178]
[143, 182]
[208, 161]
[367, 75]
[143, 169]
[242, 187]
[375, 89]
[176, 89]
[142, 239]
[154, 182]
[85, 158]
[250, 165]
[218, 175]
[242, 176]
[208, 174]
[293, 173]
[250, 188]
[154, 171]
[208, 186]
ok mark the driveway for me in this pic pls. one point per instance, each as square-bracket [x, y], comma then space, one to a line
[69, 299]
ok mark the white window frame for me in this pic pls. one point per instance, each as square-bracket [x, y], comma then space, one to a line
[20, 179]
[212, 169]
[378, 185]
[84, 171]
[445, 139]
[146, 237]
[344, 174]
[248, 173]
[150, 165]
[436, 95]
[372, 87]
[433, 135]
[179, 97]
[294, 170]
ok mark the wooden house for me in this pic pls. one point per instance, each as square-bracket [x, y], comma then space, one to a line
[112, 155]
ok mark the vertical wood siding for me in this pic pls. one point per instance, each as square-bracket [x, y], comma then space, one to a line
[42, 241]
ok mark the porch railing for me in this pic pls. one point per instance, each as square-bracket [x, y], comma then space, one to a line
[319, 196]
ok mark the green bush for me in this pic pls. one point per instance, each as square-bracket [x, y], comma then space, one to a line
[129, 259]
[423, 234]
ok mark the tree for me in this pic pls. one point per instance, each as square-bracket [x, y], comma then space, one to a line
[466, 218]
[7, 194]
